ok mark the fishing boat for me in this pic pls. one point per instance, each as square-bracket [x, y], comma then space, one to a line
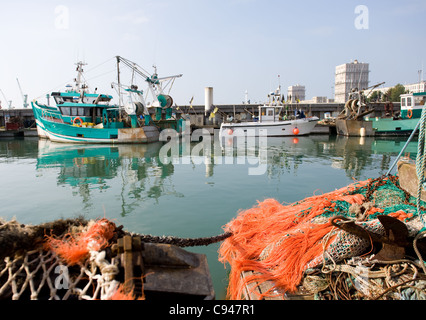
[80, 116]
[351, 121]
[403, 122]
[272, 121]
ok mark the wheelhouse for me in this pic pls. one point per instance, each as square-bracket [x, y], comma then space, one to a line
[90, 107]
[412, 104]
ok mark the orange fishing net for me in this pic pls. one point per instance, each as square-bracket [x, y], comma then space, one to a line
[75, 247]
[279, 242]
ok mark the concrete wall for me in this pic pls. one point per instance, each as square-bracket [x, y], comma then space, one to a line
[26, 115]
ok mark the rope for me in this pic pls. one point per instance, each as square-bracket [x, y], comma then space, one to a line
[184, 242]
[421, 162]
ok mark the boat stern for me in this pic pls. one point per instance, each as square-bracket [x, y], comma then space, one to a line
[144, 134]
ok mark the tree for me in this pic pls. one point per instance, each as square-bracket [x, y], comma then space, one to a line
[394, 93]
[375, 96]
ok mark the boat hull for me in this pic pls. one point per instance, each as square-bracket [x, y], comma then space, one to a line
[391, 127]
[297, 127]
[57, 131]
[354, 128]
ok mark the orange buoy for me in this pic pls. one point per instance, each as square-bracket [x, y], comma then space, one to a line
[296, 131]
[74, 122]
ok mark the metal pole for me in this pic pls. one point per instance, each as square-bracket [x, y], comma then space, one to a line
[119, 85]
[403, 148]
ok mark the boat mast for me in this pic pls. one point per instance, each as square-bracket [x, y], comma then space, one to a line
[78, 86]
[119, 86]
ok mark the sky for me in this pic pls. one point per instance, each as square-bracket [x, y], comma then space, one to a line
[234, 46]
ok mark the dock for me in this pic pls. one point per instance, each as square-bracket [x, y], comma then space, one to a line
[18, 133]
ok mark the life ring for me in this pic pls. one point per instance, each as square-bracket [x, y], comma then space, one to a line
[75, 120]
[409, 113]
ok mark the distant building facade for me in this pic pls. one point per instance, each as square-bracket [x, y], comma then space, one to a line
[349, 76]
[296, 93]
[410, 88]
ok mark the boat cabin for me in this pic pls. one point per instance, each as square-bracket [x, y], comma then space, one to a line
[90, 107]
[269, 113]
[412, 104]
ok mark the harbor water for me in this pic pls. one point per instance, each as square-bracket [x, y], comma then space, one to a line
[187, 189]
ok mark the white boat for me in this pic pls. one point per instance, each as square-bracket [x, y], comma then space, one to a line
[272, 121]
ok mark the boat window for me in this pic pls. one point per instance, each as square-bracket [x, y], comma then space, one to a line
[74, 111]
[270, 112]
[98, 112]
[59, 100]
[408, 101]
[403, 102]
[66, 111]
[419, 101]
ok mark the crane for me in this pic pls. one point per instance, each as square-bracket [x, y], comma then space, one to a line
[24, 96]
[9, 103]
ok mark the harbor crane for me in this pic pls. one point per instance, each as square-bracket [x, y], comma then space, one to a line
[9, 103]
[24, 96]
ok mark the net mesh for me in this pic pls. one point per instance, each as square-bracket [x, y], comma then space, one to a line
[72, 263]
[280, 242]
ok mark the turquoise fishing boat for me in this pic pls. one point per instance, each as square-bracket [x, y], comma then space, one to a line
[80, 116]
[404, 122]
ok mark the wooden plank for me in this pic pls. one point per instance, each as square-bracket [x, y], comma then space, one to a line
[128, 264]
[408, 178]
[253, 290]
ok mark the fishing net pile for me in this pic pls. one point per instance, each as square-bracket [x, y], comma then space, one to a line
[65, 259]
[82, 259]
[338, 245]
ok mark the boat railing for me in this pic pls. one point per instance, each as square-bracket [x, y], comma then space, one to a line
[52, 115]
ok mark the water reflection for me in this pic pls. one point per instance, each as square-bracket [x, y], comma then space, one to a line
[354, 155]
[135, 169]
[139, 173]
